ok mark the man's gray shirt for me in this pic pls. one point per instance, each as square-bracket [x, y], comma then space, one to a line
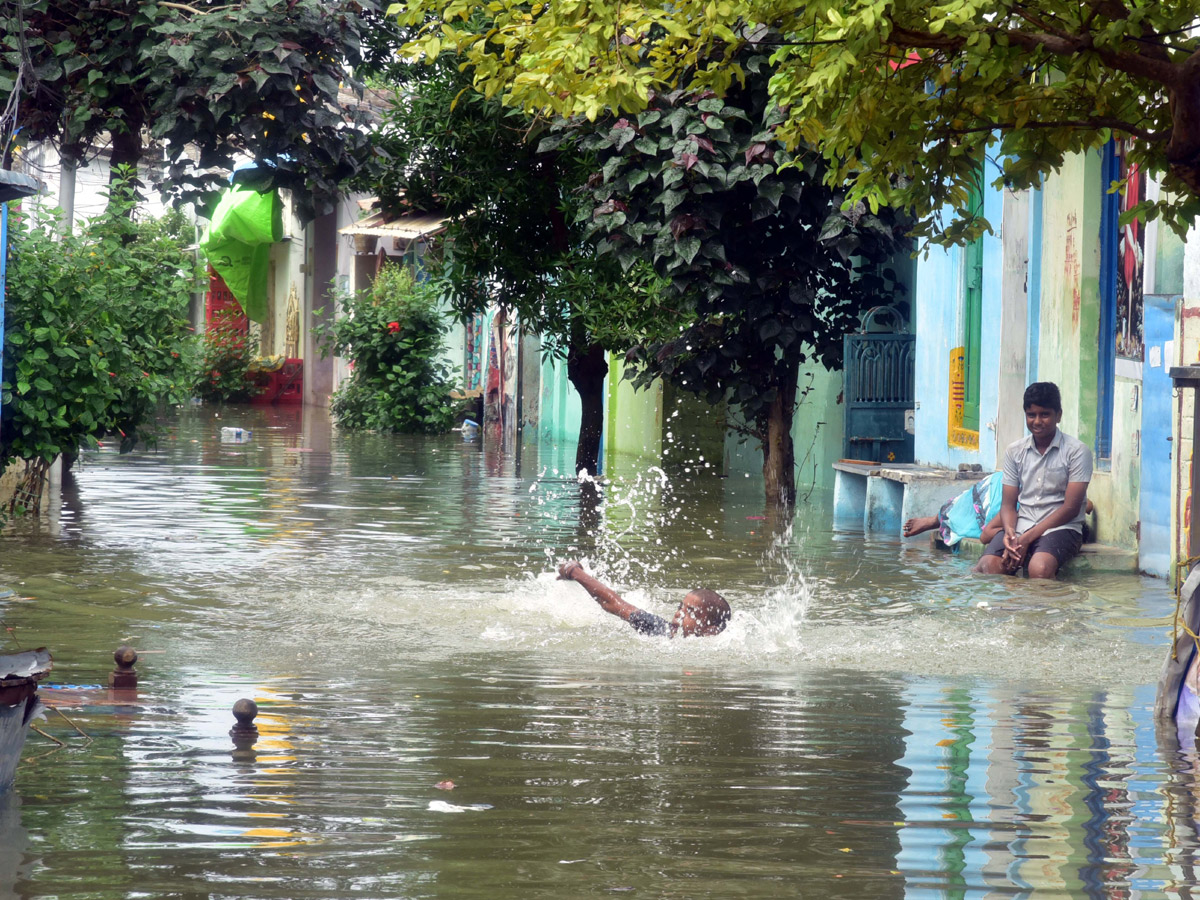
[1043, 477]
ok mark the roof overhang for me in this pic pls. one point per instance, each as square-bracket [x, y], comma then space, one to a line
[407, 227]
[14, 185]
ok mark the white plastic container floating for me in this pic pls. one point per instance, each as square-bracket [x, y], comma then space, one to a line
[235, 435]
[470, 430]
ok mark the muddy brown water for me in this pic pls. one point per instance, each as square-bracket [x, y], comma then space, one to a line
[876, 722]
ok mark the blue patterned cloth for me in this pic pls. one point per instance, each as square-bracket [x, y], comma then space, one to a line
[966, 514]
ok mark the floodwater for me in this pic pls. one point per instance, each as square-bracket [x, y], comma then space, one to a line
[876, 722]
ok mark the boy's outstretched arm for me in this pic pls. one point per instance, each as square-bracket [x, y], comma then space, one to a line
[610, 601]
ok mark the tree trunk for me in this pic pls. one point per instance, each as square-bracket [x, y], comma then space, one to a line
[779, 455]
[69, 160]
[127, 150]
[586, 368]
[1183, 150]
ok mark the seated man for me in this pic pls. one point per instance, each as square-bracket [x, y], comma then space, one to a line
[1046, 475]
[702, 612]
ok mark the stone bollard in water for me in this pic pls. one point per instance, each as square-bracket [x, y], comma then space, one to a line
[123, 677]
[245, 732]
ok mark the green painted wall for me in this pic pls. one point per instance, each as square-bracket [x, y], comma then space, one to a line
[1168, 263]
[693, 432]
[633, 423]
[817, 433]
[1071, 290]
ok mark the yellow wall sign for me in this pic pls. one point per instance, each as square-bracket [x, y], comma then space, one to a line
[957, 436]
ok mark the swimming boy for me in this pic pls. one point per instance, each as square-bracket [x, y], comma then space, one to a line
[1046, 479]
[702, 612]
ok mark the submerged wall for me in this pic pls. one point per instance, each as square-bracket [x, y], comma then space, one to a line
[633, 422]
[818, 433]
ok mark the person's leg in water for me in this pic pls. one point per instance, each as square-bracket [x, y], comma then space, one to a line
[963, 515]
[919, 525]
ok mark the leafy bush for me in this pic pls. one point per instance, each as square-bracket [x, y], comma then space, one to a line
[96, 332]
[222, 372]
[393, 334]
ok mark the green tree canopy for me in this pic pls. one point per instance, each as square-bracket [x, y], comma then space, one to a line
[751, 237]
[96, 330]
[900, 96]
[268, 79]
[512, 238]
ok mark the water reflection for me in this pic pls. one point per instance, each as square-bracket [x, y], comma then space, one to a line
[873, 723]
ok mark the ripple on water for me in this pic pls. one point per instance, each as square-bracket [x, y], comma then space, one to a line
[874, 722]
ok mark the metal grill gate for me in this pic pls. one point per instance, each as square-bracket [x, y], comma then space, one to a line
[879, 392]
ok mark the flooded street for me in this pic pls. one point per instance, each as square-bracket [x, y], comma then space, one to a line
[875, 722]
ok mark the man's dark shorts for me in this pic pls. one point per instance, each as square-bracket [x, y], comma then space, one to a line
[1061, 544]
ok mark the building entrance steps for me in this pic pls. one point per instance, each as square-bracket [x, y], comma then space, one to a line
[879, 497]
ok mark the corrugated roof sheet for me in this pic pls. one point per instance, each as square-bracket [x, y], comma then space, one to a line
[410, 226]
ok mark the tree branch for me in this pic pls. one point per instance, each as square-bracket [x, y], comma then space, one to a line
[1099, 122]
[192, 9]
[1164, 72]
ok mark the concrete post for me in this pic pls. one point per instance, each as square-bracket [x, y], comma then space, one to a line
[123, 677]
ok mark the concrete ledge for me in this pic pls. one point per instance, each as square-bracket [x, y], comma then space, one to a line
[879, 498]
[1092, 557]
[906, 473]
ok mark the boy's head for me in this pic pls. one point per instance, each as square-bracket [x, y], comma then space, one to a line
[1043, 411]
[1044, 394]
[702, 612]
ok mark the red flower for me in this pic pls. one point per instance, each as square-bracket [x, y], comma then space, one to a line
[393, 327]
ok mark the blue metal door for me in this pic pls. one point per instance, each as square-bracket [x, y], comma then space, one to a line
[879, 390]
[1154, 545]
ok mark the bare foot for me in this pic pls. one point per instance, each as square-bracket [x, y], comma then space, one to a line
[919, 524]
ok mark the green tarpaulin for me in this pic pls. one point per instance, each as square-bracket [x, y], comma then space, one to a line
[238, 245]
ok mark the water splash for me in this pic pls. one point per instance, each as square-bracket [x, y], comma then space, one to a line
[783, 619]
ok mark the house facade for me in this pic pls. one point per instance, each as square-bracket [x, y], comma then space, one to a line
[1061, 291]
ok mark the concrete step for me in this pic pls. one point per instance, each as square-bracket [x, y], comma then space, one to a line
[1092, 557]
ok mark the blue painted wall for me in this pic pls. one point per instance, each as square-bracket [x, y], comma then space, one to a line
[937, 298]
[1154, 543]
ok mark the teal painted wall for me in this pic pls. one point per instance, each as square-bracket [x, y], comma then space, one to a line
[558, 420]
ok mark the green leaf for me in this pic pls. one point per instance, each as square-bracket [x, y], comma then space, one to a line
[769, 329]
[833, 226]
[771, 190]
[328, 85]
[670, 200]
